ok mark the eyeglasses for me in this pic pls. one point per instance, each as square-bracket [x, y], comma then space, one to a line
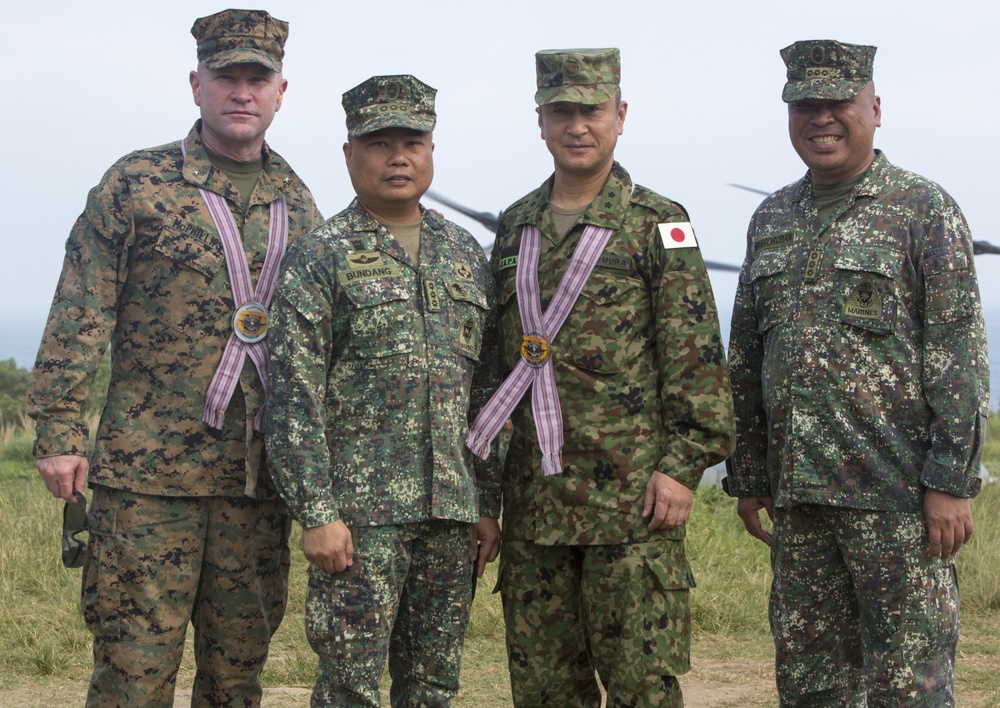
[74, 522]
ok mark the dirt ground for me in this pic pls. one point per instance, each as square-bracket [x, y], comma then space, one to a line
[732, 684]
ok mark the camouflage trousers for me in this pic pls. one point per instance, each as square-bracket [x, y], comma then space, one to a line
[859, 613]
[153, 564]
[622, 611]
[406, 597]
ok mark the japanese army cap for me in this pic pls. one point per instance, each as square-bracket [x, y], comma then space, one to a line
[390, 102]
[827, 70]
[240, 37]
[588, 76]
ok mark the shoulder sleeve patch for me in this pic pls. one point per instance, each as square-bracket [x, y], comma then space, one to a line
[677, 234]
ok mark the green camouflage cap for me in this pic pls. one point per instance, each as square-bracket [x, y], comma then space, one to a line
[826, 69]
[389, 102]
[588, 76]
[240, 37]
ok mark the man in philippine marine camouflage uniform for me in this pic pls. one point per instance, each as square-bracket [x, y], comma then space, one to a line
[628, 404]
[860, 372]
[172, 263]
[378, 352]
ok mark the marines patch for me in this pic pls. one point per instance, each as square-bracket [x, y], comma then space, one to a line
[864, 302]
[464, 271]
[468, 336]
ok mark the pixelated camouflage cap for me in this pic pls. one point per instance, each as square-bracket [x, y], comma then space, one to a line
[826, 69]
[588, 76]
[401, 101]
[240, 37]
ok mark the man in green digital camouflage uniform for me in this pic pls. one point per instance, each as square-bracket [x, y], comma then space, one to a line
[593, 570]
[378, 351]
[861, 379]
[185, 523]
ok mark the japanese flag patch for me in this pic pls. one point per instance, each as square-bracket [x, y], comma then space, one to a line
[678, 234]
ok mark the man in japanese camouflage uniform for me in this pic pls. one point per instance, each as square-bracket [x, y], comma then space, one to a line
[172, 263]
[861, 378]
[615, 416]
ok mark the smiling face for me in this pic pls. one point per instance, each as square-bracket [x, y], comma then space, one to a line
[582, 137]
[238, 103]
[390, 170]
[835, 138]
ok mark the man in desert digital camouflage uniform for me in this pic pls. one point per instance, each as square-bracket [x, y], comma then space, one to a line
[861, 380]
[617, 414]
[378, 351]
[185, 523]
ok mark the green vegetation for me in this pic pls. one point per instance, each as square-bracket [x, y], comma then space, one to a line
[46, 656]
[14, 389]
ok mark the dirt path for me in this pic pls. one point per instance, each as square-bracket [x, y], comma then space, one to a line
[709, 685]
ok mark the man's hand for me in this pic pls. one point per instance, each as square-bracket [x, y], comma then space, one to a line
[749, 510]
[485, 543]
[329, 546]
[63, 475]
[668, 502]
[949, 523]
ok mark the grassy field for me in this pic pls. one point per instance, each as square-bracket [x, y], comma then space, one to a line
[46, 649]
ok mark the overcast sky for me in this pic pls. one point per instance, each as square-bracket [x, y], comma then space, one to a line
[93, 81]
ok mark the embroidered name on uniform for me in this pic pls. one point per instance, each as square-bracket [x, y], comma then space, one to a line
[613, 262]
[468, 335]
[192, 230]
[508, 262]
[864, 302]
[385, 270]
[769, 242]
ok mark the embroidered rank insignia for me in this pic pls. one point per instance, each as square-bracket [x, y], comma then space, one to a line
[432, 302]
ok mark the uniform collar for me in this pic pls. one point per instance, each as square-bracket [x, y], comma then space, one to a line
[276, 178]
[607, 210]
[870, 186]
[360, 221]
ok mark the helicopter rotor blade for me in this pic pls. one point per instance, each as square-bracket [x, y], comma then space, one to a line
[981, 247]
[490, 221]
[749, 189]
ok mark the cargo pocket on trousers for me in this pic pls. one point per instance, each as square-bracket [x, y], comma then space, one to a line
[663, 619]
[100, 600]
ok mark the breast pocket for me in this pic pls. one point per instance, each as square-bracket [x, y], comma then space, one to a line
[616, 312]
[381, 324]
[768, 278]
[866, 290]
[177, 274]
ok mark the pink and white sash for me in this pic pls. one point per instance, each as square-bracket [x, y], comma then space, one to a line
[223, 384]
[535, 366]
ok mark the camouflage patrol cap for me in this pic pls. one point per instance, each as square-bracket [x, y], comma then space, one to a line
[588, 76]
[389, 102]
[826, 69]
[240, 37]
